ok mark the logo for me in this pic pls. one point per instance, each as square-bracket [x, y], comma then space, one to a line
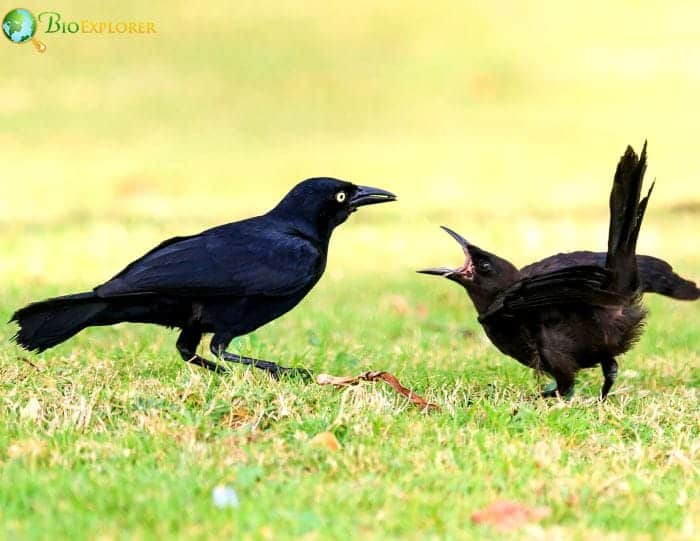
[19, 26]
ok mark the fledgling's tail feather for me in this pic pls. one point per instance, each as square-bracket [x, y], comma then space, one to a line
[657, 276]
[46, 323]
[626, 215]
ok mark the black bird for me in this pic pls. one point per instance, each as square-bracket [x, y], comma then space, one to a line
[575, 310]
[228, 280]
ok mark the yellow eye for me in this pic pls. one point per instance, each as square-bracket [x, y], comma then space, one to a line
[340, 197]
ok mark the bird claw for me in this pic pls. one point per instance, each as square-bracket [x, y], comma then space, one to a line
[292, 372]
[551, 391]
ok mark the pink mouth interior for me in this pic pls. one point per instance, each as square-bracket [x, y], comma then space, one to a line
[466, 270]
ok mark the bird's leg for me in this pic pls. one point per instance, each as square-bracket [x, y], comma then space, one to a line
[220, 342]
[563, 387]
[187, 346]
[561, 368]
[609, 367]
[550, 390]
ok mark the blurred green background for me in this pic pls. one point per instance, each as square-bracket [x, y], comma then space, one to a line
[503, 120]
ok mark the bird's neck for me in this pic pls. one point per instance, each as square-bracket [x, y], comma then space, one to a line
[314, 229]
[310, 234]
[482, 300]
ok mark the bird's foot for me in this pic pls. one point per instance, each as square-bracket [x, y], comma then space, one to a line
[275, 370]
[292, 372]
[551, 391]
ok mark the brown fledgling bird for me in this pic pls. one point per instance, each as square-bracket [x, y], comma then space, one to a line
[575, 310]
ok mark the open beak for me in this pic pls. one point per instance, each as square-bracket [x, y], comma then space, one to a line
[438, 271]
[465, 270]
[459, 238]
[366, 195]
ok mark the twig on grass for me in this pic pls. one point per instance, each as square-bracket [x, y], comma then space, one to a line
[376, 375]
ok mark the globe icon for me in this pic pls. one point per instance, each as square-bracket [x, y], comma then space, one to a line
[19, 25]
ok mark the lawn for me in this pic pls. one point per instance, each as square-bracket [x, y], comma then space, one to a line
[502, 121]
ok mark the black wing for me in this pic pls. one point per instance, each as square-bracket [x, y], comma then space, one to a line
[564, 261]
[238, 259]
[582, 285]
[655, 274]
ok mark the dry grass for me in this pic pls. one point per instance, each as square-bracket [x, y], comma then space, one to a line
[503, 121]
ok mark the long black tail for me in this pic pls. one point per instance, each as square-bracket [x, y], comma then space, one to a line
[626, 215]
[657, 276]
[46, 323]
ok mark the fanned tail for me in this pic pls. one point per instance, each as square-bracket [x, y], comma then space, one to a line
[46, 323]
[626, 215]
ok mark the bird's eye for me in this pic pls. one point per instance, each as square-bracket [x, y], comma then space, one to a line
[340, 197]
[485, 266]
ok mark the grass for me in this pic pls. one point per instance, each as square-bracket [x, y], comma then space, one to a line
[502, 123]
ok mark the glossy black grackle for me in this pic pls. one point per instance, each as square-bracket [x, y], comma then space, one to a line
[228, 280]
[576, 310]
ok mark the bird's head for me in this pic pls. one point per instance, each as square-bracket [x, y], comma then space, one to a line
[483, 274]
[324, 203]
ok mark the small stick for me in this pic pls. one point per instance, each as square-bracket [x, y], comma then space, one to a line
[344, 381]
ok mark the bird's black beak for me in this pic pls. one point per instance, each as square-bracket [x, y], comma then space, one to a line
[366, 195]
[438, 271]
[459, 238]
[454, 274]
